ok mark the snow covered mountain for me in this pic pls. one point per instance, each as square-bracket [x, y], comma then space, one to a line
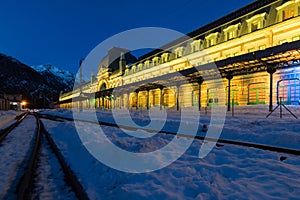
[39, 85]
[49, 72]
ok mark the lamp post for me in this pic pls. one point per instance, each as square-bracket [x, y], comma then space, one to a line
[80, 85]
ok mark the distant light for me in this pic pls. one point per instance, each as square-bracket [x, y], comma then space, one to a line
[23, 103]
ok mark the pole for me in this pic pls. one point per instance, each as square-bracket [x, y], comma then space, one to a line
[199, 96]
[232, 107]
[80, 86]
[161, 98]
[177, 97]
[271, 70]
[271, 93]
[280, 103]
[229, 77]
[137, 100]
[148, 96]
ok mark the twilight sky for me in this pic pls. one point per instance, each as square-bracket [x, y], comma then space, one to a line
[61, 32]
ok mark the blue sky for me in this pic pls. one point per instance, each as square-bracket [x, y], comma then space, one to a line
[62, 32]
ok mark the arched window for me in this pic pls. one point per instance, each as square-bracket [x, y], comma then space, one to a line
[103, 87]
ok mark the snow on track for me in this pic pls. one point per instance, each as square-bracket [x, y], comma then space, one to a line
[14, 151]
[49, 182]
[228, 172]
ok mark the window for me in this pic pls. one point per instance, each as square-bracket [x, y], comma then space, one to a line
[165, 57]
[195, 46]
[133, 68]
[262, 47]
[231, 32]
[254, 26]
[140, 66]
[211, 39]
[230, 35]
[287, 10]
[251, 50]
[211, 42]
[126, 71]
[256, 22]
[155, 60]
[178, 52]
[286, 14]
[282, 41]
[147, 64]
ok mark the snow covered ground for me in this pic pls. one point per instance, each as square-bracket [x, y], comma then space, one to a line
[14, 156]
[248, 124]
[228, 172]
[8, 117]
[49, 179]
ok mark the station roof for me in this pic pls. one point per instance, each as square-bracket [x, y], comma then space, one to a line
[278, 57]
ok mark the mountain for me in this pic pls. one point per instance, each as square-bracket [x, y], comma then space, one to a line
[39, 85]
[55, 76]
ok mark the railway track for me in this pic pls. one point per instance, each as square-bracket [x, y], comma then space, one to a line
[6, 131]
[220, 142]
[24, 182]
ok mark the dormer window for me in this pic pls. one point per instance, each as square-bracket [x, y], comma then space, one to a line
[133, 68]
[288, 10]
[231, 31]
[140, 66]
[256, 22]
[179, 52]
[195, 45]
[147, 63]
[165, 57]
[211, 39]
[155, 60]
[127, 70]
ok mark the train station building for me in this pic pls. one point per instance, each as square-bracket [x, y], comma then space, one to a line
[256, 51]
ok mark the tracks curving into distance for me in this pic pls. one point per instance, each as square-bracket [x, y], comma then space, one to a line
[24, 183]
[223, 141]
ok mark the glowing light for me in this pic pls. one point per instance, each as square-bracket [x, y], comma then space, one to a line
[23, 103]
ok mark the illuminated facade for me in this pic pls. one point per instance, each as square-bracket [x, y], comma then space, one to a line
[256, 50]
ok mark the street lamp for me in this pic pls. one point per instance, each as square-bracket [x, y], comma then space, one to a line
[23, 104]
